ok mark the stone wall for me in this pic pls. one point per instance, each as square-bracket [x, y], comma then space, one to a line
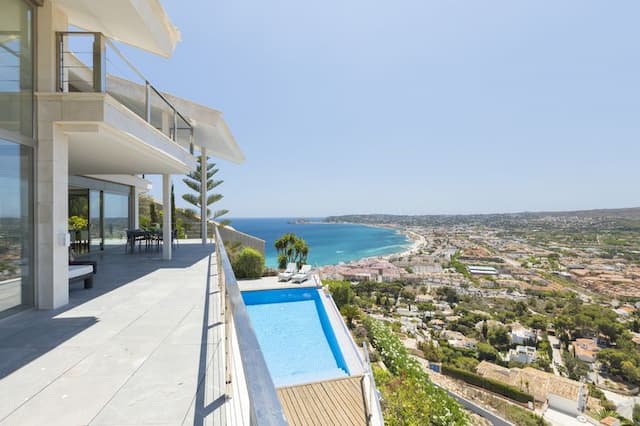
[230, 234]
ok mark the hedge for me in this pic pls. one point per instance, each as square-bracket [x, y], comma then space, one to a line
[488, 384]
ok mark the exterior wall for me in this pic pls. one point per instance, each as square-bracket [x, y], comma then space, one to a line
[563, 404]
[229, 234]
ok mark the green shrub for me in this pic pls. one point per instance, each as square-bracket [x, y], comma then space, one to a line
[341, 292]
[410, 397]
[488, 384]
[249, 263]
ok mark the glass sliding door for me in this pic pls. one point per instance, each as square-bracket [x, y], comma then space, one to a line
[95, 221]
[79, 219]
[16, 227]
[116, 218]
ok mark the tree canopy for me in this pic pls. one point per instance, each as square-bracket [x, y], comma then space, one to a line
[193, 181]
[291, 249]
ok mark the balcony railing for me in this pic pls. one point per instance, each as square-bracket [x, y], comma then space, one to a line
[253, 397]
[82, 62]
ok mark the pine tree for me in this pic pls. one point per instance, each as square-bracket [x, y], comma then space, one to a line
[153, 214]
[193, 181]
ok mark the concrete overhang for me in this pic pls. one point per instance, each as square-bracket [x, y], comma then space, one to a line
[210, 129]
[105, 137]
[140, 23]
[143, 185]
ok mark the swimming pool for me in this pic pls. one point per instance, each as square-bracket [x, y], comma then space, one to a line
[295, 335]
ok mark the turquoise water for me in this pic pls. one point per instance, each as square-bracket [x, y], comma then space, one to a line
[295, 336]
[329, 243]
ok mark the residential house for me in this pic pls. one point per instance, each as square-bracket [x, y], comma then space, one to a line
[521, 335]
[458, 340]
[585, 349]
[562, 394]
[522, 354]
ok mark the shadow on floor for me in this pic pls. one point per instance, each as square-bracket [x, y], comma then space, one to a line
[30, 334]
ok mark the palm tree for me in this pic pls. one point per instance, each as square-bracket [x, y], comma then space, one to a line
[350, 312]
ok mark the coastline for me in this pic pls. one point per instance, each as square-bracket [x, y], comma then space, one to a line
[418, 241]
[394, 242]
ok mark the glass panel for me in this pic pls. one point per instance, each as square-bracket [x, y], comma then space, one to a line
[16, 227]
[116, 218]
[16, 67]
[95, 228]
[79, 220]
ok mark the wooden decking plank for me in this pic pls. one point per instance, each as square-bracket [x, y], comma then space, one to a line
[301, 407]
[344, 388]
[297, 414]
[332, 408]
[339, 391]
[332, 403]
[311, 405]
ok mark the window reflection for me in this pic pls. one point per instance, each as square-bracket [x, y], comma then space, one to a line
[16, 227]
[16, 67]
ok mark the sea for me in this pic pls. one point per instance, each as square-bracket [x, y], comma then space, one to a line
[329, 243]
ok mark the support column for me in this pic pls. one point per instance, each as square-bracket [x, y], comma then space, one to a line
[52, 170]
[166, 217]
[52, 266]
[203, 194]
[135, 194]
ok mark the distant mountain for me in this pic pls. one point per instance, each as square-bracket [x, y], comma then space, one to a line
[597, 215]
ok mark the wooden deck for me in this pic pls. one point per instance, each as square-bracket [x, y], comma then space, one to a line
[335, 402]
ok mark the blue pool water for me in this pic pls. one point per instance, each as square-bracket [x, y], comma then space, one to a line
[295, 335]
[329, 243]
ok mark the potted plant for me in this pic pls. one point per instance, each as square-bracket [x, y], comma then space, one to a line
[77, 224]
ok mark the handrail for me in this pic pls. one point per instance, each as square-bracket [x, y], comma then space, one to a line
[265, 407]
[372, 396]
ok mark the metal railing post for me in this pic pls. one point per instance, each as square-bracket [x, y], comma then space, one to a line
[147, 101]
[99, 63]
[175, 125]
[60, 61]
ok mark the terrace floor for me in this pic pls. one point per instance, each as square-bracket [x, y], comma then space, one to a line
[144, 346]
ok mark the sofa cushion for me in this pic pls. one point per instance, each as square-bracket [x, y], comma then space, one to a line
[76, 271]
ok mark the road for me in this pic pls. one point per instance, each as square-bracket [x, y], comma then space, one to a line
[557, 354]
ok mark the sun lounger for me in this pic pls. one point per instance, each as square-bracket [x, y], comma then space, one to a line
[288, 273]
[303, 275]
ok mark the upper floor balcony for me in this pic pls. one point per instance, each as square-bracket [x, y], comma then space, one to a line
[118, 122]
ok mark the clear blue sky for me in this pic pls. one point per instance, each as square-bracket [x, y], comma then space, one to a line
[415, 106]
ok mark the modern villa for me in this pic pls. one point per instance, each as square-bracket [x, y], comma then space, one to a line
[155, 336]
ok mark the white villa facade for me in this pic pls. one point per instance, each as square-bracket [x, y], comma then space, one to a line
[77, 140]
